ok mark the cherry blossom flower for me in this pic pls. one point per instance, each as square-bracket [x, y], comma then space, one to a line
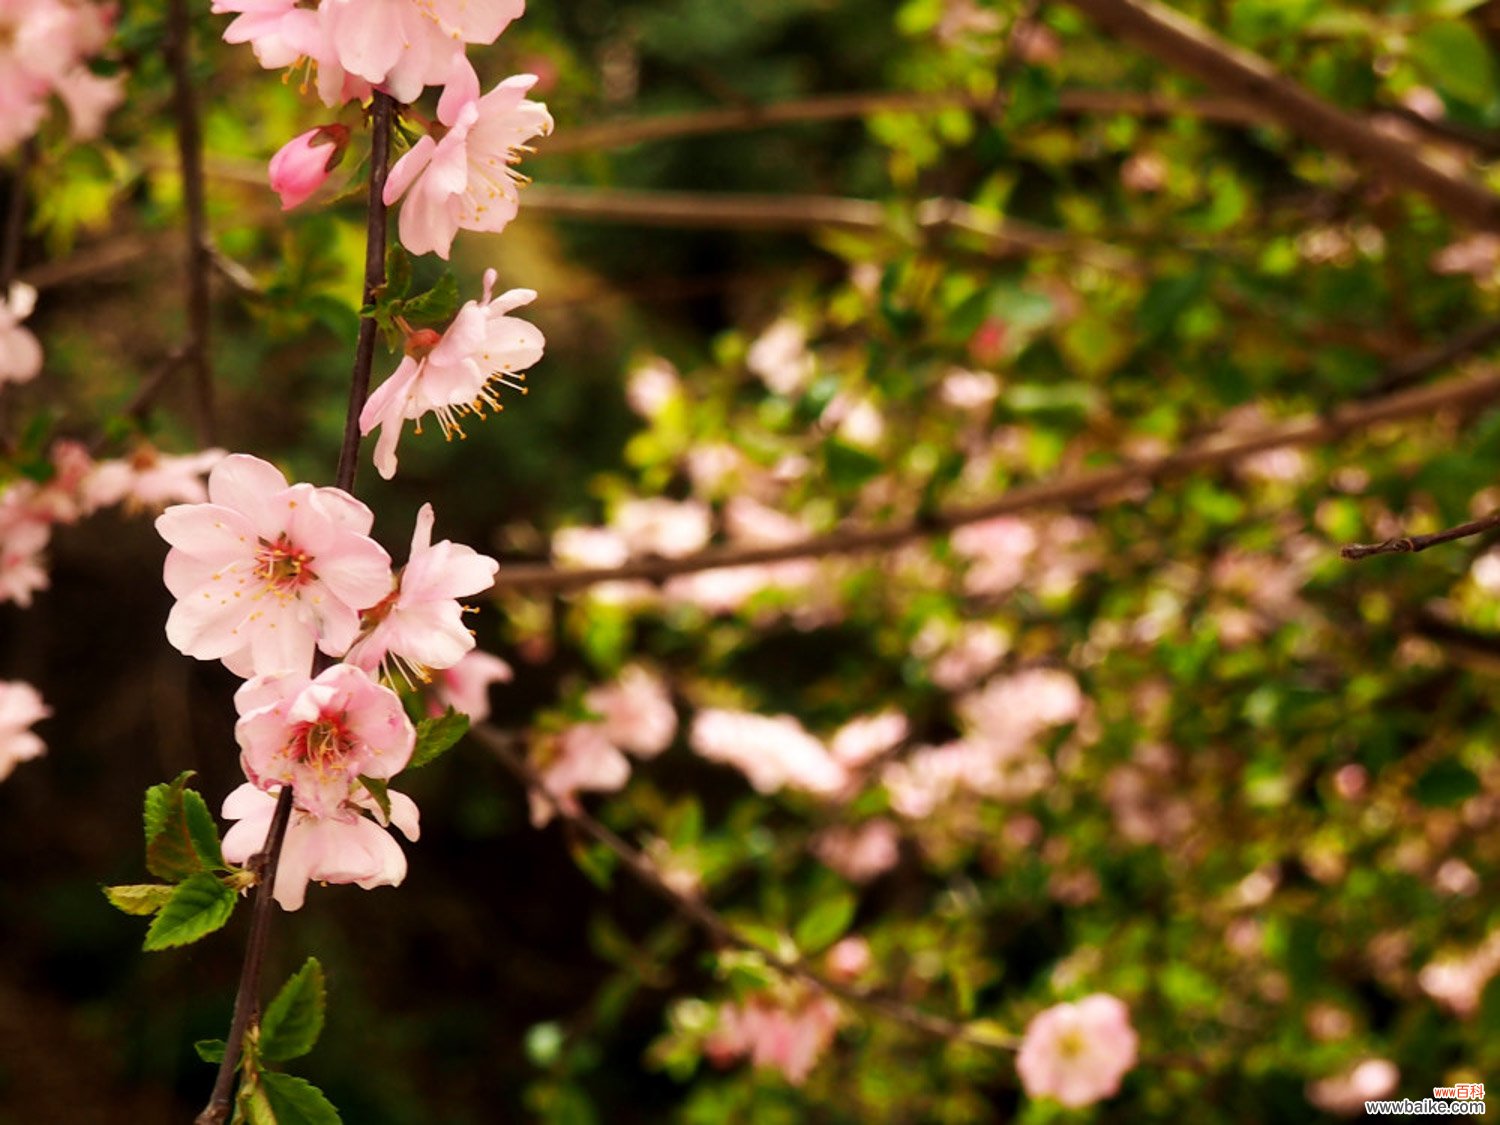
[88, 98]
[667, 528]
[24, 534]
[465, 181]
[771, 752]
[395, 45]
[149, 479]
[787, 1038]
[320, 736]
[43, 47]
[20, 706]
[346, 847]
[20, 354]
[779, 356]
[860, 853]
[849, 958]
[1347, 1093]
[302, 164]
[636, 712]
[859, 740]
[466, 686]
[581, 759]
[1077, 1053]
[419, 625]
[457, 373]
[265, 571]
[652, 386]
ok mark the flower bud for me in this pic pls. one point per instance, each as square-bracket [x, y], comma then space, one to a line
[303, 163]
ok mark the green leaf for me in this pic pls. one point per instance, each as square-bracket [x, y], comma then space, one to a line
[397, 272]
[1446, 783]
[296, 1101]
[849, 466]
[171, 848]
[436, 736]
[199, 905]
[139, 898]
[202, 830]
[825, 923]
[294, 1019]
[380, 790]
[437, 305]
[1456, 61]
[1166, 300]
[211, 1050]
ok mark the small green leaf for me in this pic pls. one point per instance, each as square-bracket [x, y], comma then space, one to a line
[379, 789]
[848, 465]
[139, 898]
[296, 1101]
[437, 305]
[199, 905]
[1446, 783]
[436, 736]
[211, 1050]
[202, 830]
[825, 923]
[171, 853]
[1456, 60]
[294, 1019]
[397, 272]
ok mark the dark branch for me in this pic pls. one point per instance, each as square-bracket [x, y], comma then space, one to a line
[14, 226]
[1413, 544]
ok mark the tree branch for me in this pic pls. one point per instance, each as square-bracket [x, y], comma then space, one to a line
[1094, 487]
[1414, 544]
[1225, 68]
[265, 862]
[14, 225]
[501, 745]
[198, 263]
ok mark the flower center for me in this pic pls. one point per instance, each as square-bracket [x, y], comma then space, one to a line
[283, 564]
[324, 745]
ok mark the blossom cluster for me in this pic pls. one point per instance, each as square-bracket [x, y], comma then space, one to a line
[268, 573]
[45, 49]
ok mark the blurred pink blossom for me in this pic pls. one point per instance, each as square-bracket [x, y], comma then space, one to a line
[636, 712]
[20, 354]
[465, 686]
[849, 958]
[1077, 1053]
[662, 527]
[1347, 1093]
[149, 479]
[20, 706]
[997, 551]
[771, 752]
[789, 1039]
[868, 736]
[651, 386]
[861, 852]
[779, 357]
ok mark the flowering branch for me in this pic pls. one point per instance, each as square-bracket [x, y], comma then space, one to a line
[1413, 544]
[501, 745]
[1099, 487]
[265, 863]
[190, 153]
[1237, 73]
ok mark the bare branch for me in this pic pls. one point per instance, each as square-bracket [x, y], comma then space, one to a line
[1102, 486]
[1225, 68]
[1414, 544]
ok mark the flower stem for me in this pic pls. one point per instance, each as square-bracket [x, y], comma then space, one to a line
[264, 863]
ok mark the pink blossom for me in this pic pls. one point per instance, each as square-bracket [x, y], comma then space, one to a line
[771, 752]
[997, 550]
[776, 1036]
[266, 572]
[457, 373]
[860, 853]
[89, 98]
[668, 528]
[20, 706]
[849, 958]
[465, 686]
[582, 759]
[651, 387]
[20, 354]
[780, 358]
[1458, 982]
[149, 478]
[320, 736]
[262, 24]
[636, 712]
[1347, 1093]
[859, 740]
[43, 47]
[346, 847]
[302, 164]
[1077, 1053]
[465, 181]
[24, 534]
[391, 44]
[419, 625]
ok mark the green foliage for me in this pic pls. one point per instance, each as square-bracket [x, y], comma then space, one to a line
[436, 736]
[199, 905]
[825, 922]
[294, 1018]
[295, 1101]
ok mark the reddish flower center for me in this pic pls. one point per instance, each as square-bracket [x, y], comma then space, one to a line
[283, 564]
[323, 745]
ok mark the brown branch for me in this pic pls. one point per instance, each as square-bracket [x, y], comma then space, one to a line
[1414, 544]
[13, 228]
[247, 997]
[501, 745]
[1225, 68]
[179, 50]
[1100, 486]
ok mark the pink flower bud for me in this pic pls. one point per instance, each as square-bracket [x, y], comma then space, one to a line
[303, 163]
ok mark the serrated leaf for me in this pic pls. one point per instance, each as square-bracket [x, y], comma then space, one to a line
[139, 898]
[397, 271]
[825, 923]
[380, 790]
[436, 306]
[170, 850]
[202, 830]
[211, 1050]
[199, 905]
[296, 1101]
[294, 1019]
[254, 1105]
[436, 736]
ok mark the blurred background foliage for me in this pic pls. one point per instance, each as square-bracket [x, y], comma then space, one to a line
[1281, 799]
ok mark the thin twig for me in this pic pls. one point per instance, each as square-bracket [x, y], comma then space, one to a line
[1229, 70]
[1414, 544]
[179, 50]
[501, 745]
[247, 998]
[1097, 487]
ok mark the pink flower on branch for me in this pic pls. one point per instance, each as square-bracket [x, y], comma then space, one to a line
[1077, 1053]
[20, 706]
[20, 354]
[419, 625]
[460, 372]
[266, 572]
[466, 181]
[320, 736]
[302, 164]
[466, 686]
[346, 847]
